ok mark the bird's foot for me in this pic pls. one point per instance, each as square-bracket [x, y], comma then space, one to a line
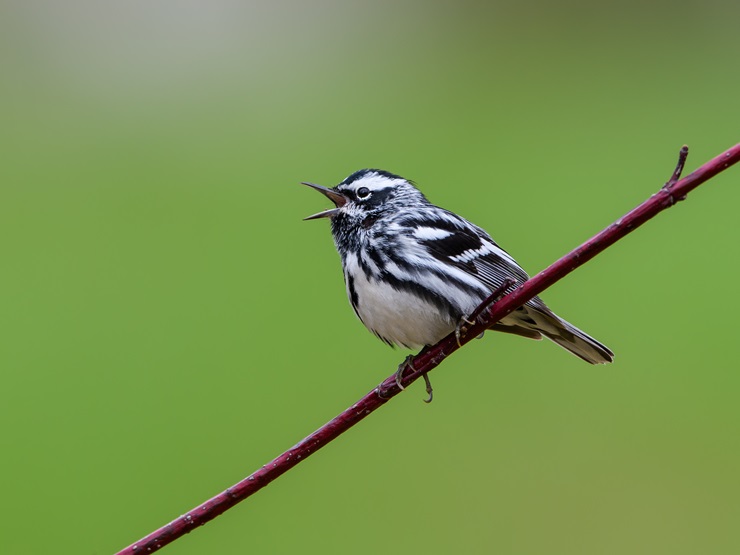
[461, 329]
[402, 368]
[399, 377]
[430, 391]
[465, 322]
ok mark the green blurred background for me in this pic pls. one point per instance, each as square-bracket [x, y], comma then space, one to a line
[169, 324]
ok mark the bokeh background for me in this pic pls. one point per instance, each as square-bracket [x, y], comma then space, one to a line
[169, 323]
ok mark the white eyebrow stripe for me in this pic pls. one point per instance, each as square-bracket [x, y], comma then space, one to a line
[375, 182]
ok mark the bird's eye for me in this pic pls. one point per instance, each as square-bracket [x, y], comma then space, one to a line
[363, 192]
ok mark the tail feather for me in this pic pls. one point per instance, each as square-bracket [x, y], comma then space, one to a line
[561, 332]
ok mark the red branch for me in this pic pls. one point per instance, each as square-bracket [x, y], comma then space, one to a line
[673, 191]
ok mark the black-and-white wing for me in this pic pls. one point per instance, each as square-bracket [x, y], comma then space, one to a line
[455, 241]
[458, 243]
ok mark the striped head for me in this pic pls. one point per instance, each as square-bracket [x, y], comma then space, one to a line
[364, 198]
[369, 194]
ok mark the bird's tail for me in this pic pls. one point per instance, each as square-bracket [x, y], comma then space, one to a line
[563, 333]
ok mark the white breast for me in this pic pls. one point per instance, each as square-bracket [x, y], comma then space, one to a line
[399, 317]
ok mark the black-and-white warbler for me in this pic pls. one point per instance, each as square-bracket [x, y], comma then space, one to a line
[413, 270]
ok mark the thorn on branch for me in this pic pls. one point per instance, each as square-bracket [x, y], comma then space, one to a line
[682, 155]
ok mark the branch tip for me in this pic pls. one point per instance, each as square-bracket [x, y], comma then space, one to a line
[682, 155]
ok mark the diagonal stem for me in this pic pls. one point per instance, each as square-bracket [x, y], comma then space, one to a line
[675, 190]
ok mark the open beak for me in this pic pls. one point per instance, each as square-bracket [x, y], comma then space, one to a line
[337, 198]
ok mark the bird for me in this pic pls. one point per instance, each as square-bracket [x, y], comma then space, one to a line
[414, 271]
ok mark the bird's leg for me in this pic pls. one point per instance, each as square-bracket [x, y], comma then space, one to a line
[461, 329]
[401, 368]
[430, 391]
